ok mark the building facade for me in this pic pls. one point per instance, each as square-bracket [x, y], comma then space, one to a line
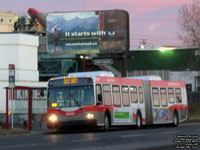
[7, 21]
[22, 51]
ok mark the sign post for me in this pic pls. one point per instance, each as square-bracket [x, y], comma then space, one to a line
[11, 79]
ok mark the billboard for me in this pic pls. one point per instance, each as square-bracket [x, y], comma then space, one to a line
[90, 32]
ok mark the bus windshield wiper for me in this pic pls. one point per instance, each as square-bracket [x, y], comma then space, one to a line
[77, 103]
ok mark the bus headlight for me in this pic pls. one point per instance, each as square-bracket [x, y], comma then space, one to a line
[53, 118]
[90, 116]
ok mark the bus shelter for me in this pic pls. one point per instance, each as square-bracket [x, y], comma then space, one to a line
[23, 102]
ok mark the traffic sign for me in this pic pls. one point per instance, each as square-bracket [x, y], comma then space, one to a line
[11, 78]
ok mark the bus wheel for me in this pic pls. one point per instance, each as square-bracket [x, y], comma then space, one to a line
[175, 120]
[139, 121]
[106, 123]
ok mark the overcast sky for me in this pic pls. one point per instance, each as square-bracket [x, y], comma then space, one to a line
[152, 20]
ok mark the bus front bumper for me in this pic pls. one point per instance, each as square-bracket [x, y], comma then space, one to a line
[58, 124]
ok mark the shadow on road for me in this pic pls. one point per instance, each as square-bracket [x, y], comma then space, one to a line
[68, 130]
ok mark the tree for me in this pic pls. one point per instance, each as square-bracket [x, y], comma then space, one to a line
[189, 24]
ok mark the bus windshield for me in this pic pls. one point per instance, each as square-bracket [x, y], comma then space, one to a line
[71, 96]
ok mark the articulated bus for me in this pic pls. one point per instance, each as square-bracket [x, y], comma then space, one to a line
[100, 99]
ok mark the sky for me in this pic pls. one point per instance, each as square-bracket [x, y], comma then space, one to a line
[152, 21]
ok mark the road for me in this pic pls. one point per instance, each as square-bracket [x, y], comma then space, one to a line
[151, 138]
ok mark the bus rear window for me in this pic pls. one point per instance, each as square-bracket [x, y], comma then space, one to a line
[107, 95]
[116, 95]
[125, 96]
[155, 95]
[171, 95]
[140, 94]
[134, 94]
[178, 95]
[163, 94]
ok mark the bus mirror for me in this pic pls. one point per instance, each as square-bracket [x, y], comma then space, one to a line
[99, 99]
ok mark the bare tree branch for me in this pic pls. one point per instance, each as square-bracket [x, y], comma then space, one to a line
[189, 24]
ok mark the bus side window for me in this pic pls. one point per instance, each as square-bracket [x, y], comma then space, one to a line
[107, 95]
[125, 96]
[134, 94]
[163, 95]
[99, 94]
[155, 96]
[140, 94]
[116, 95]
[171, 95]
[178, 95]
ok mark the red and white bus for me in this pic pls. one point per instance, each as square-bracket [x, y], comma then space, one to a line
[100, 99]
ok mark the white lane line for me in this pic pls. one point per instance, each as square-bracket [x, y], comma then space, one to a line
[18, 146]
[85, 140]
[132, 135]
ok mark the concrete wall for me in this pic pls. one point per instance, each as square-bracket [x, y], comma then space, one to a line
[21, 50]
[187, 76]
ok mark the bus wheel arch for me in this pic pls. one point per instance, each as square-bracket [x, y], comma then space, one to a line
[139, 119]
[175, 118]
[107, 120]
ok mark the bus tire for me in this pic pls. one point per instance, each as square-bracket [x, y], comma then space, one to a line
[139, 121]
[106, 123]
[175, 119]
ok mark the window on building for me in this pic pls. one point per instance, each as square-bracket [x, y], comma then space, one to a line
[134, 94]
[197, 83]
[155, 95]
[116, 95]
[178, 95]
[125, 96]
[171, 95]
[140, 94]
[107, 95]
[163, 95]
[1, 20]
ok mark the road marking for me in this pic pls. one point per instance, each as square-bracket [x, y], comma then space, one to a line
[18, 146]
[168, 132]
[85, 140]
[132, 135]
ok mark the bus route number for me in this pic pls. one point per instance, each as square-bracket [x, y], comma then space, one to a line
[70, 80]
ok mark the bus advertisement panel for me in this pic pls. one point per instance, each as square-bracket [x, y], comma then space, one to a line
[87, 32]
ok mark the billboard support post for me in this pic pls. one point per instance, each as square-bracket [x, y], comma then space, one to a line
[124, 64]
[84, 63]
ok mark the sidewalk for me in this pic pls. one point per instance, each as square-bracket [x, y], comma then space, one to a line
[14, 131]
[193, 118]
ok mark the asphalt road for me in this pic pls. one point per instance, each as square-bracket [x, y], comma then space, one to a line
[151, 138]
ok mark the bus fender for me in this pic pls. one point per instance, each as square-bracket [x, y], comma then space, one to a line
[139, 113]
[107, 112]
